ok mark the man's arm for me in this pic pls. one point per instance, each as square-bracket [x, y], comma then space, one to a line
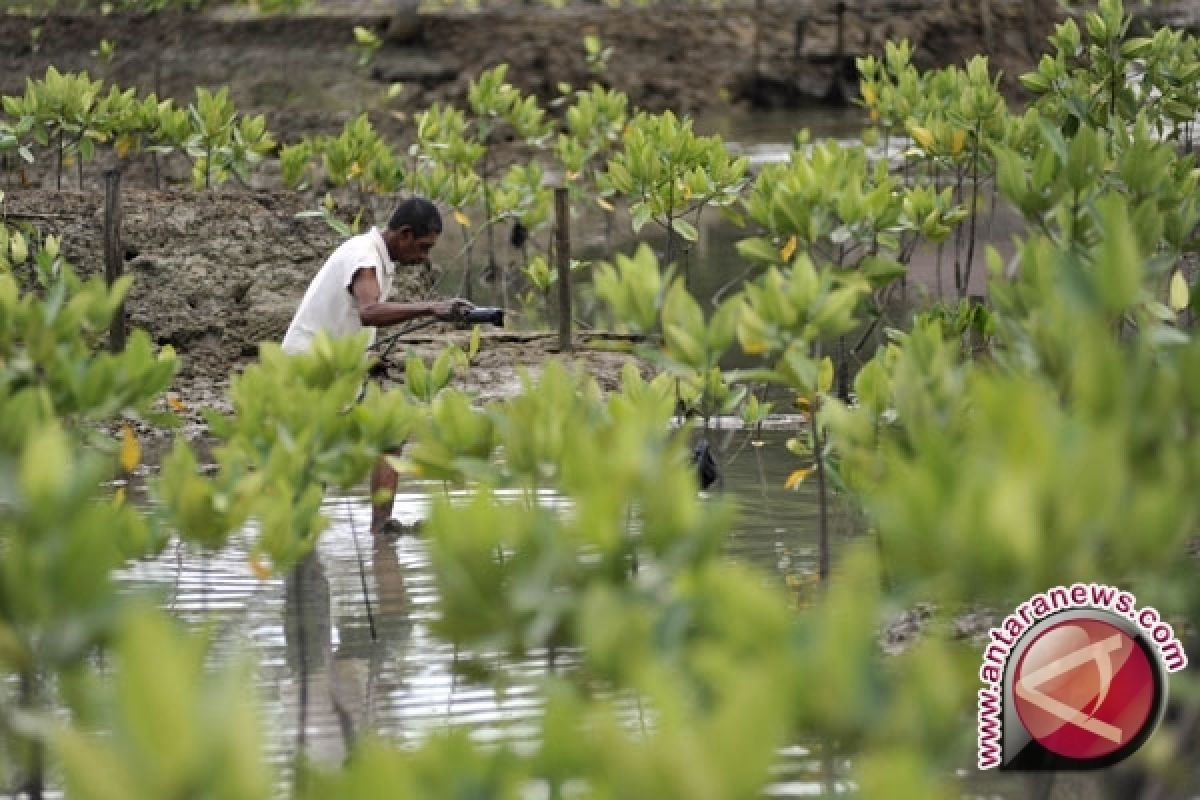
[375, 312]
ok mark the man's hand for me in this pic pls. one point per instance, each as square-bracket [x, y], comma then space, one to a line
[451, 309]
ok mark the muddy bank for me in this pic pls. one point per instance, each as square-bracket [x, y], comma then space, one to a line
[302, 70]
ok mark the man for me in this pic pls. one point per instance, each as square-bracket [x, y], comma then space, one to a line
[350, 293]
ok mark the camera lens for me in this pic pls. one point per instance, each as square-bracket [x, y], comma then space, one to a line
[485, 316]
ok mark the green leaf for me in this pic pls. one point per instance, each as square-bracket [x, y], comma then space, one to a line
[685, 229]
[758, 249]
[1118, 267]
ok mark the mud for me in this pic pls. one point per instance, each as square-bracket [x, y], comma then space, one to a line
[303, 72]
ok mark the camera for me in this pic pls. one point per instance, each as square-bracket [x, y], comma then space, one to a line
[482, 315]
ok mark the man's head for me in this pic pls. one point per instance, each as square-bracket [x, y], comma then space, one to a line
[412, 231]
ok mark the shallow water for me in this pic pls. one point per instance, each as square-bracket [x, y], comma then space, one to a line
[333, 662]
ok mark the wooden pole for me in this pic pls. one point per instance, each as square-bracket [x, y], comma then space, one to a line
[562, 252]
[114, 263]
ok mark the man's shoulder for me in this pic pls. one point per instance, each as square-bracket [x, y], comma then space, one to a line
[360, 247]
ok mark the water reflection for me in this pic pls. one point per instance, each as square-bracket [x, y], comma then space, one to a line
[342, 666]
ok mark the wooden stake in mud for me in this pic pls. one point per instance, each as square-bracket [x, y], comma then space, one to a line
[562, 251]
[114, 263]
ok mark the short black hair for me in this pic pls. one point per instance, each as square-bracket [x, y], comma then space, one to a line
[420, 215]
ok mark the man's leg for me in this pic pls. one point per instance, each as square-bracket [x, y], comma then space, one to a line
[383, 492]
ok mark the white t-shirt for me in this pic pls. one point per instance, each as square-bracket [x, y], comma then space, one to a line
[328, 304]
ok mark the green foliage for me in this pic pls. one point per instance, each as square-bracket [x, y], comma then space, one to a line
[295, 164]
[634, 289]
[220, 141]
[668, 172]
[1086, 81]
[798, 307]
[366, 44]
[954, 117]
[72, 114]
[1057, 184]
[296, 426]
[48, 345]
[514, 575]
[595, 122]
[832, 204]
[167, 724]
[358, 157]
[61, 533]
[596, 54]
[446, 766]
[64, 109]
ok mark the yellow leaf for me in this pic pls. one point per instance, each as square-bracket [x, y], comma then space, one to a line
[958, 141]
[131, 451]
[755, 348]
[572, 175]
[802, 403]
[176, 404]
[461, 218]
[789, 249]
[119, 496]
[797, 477]
[873, 116]
[868, 93]
[18, 247]
[124, 144]
[1180, 295]
[922, 136]
[260, 568]
[607, 206]
[825, 375]
[355, 170]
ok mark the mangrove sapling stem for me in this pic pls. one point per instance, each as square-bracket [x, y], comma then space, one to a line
[453, 681]
[941, 247]
[464, 289]
[633, 553]
[843, 371]
[487, 207]
[717, 295]
[36, 778]
[829, 767]
[959, 289]
[362, 570]
[671, 225]
[302, 651]
[822, 500]
[992, 196]
[974, 209]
